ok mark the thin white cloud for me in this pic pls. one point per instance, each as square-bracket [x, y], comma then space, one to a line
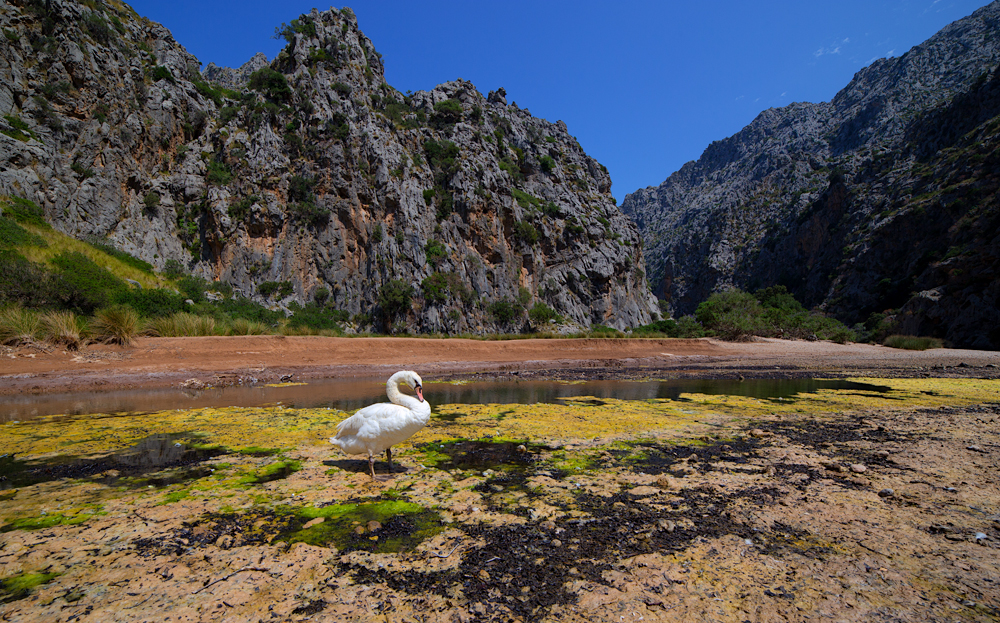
[833, 48]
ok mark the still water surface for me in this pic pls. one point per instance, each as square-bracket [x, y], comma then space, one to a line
[352, 394]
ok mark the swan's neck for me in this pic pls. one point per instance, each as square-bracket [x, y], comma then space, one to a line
[405, 400]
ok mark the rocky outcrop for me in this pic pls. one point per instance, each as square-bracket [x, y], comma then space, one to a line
[236, 79]
[882, 201]
[439, 211]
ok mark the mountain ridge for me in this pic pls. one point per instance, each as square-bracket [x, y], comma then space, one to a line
[806, 195]
[439, 211]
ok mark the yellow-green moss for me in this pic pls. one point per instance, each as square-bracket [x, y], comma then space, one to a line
[20, 586]
[581, 418]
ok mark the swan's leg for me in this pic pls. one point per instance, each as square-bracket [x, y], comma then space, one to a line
[388, 457]
[371, 464]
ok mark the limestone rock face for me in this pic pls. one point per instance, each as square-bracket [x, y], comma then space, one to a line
[858, 205]
[235, 78]
[437, 211]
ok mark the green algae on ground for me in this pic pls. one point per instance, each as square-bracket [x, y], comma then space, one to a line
[20, 586]
[381, 527]
[48, 520]
[582, 417]
[233, 428]
[272, 471]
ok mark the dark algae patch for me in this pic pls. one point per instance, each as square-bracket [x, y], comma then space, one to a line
[522, 570]
[383, 526]
[480, 454]
[152, 454]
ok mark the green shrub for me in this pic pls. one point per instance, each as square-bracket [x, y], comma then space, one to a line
[13, 235]
[62, 328]
[208, 91]
[242, 326]
[81, 285]
[321, 295]
[23, 281]
[152, 302]
[912, 342]
[441, 154]
[526, 232]
[270, 83]
[84, 172]
[732, 315]
[116, 325]
[436, 288]
[193, 287]
[313, 316]
[548, 164]
[19, 326]
[448, 111]
[395, 298]
[770, 312]
[162, 73]
[218, 173]
[238, 210]
[173, 268]
[435, 251]
[19, 130]
[302, 25]
[151, 200]
[551, 209]
[97, 27]
[245, 308]
[602, 331]
[504, 311]
[310, 213]
[524, 199]
[666, 328]
[227, 114]
[541, 313]
[24, 211]
[267, 289]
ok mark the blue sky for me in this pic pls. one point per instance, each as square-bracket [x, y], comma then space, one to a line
[645, 85]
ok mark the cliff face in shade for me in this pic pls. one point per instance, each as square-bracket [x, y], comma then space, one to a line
[882, 200]
[311, 170]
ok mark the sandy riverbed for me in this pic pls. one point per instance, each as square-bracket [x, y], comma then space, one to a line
[164, 362]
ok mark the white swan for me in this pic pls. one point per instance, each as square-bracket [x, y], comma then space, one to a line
[379, 426]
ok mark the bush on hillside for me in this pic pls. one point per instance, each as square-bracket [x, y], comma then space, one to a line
[314, 316]
[912, 342]
[79, 284]
[395, 298]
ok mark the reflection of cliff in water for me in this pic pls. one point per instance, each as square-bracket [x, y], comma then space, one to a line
[349, 395]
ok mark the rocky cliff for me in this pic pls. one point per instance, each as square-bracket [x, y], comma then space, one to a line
[882, 201]
[441, 211]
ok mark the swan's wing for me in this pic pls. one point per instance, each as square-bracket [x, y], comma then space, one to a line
[370, 422]
[376, 427]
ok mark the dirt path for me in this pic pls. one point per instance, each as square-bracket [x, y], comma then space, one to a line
[164, 362]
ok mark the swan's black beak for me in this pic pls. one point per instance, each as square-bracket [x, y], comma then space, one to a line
[420, 393]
